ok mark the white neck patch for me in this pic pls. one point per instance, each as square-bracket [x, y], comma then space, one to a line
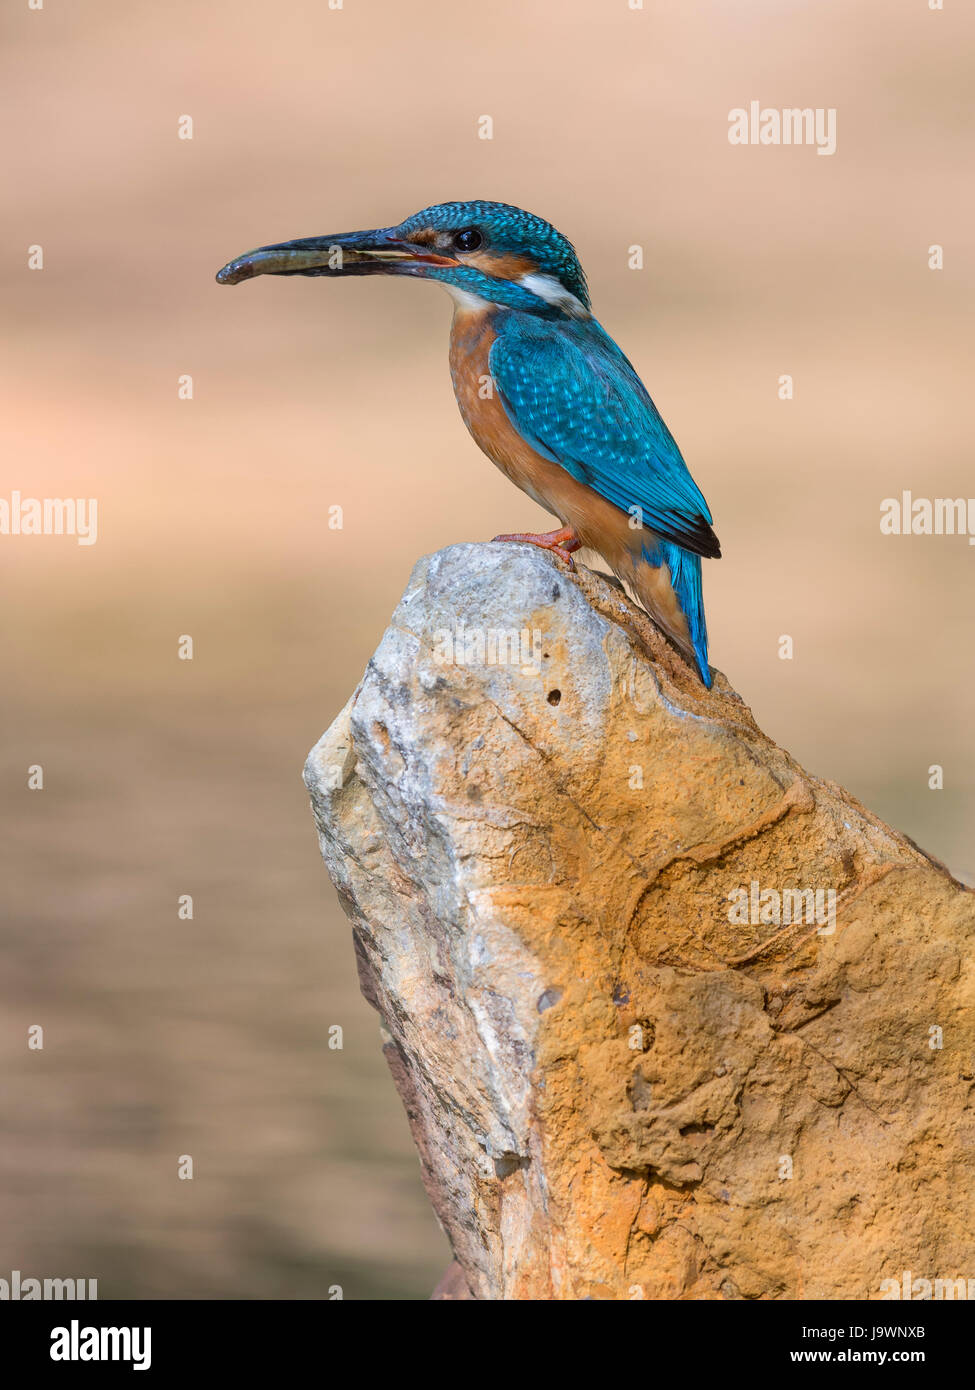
[464, 301]
[549, 289]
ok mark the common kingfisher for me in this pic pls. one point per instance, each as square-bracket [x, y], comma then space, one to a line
[545, 392]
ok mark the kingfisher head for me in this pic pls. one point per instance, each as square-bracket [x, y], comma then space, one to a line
[482, 253]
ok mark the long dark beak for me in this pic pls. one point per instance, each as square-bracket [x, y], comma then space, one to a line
[379, 252]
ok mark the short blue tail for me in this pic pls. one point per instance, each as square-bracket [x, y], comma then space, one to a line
[685, 575]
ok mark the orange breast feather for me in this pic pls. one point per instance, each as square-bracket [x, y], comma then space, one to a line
[599, 525]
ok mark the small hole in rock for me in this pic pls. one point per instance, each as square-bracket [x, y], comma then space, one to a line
[554, 696]
[548, 999]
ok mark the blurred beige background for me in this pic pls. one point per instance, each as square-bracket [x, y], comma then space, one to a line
[209, 1037]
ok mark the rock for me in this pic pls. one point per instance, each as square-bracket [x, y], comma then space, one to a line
[452, 1287]
[634, 1063]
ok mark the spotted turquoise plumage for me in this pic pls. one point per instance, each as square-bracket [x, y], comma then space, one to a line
[575, 398]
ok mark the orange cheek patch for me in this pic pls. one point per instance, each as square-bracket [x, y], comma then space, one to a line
[504, 267]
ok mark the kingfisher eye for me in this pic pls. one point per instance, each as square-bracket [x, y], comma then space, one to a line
[468, 240]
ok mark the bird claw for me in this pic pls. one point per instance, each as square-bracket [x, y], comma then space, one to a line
[560, 543]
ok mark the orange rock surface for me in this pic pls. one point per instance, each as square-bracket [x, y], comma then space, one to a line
[640, 1056]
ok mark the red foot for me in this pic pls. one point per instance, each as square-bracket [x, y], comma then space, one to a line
[560, 543]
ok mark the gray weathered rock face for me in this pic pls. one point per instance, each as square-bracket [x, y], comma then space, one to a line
[670, 1017]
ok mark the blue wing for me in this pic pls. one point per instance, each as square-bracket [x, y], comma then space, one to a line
[572, 395]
